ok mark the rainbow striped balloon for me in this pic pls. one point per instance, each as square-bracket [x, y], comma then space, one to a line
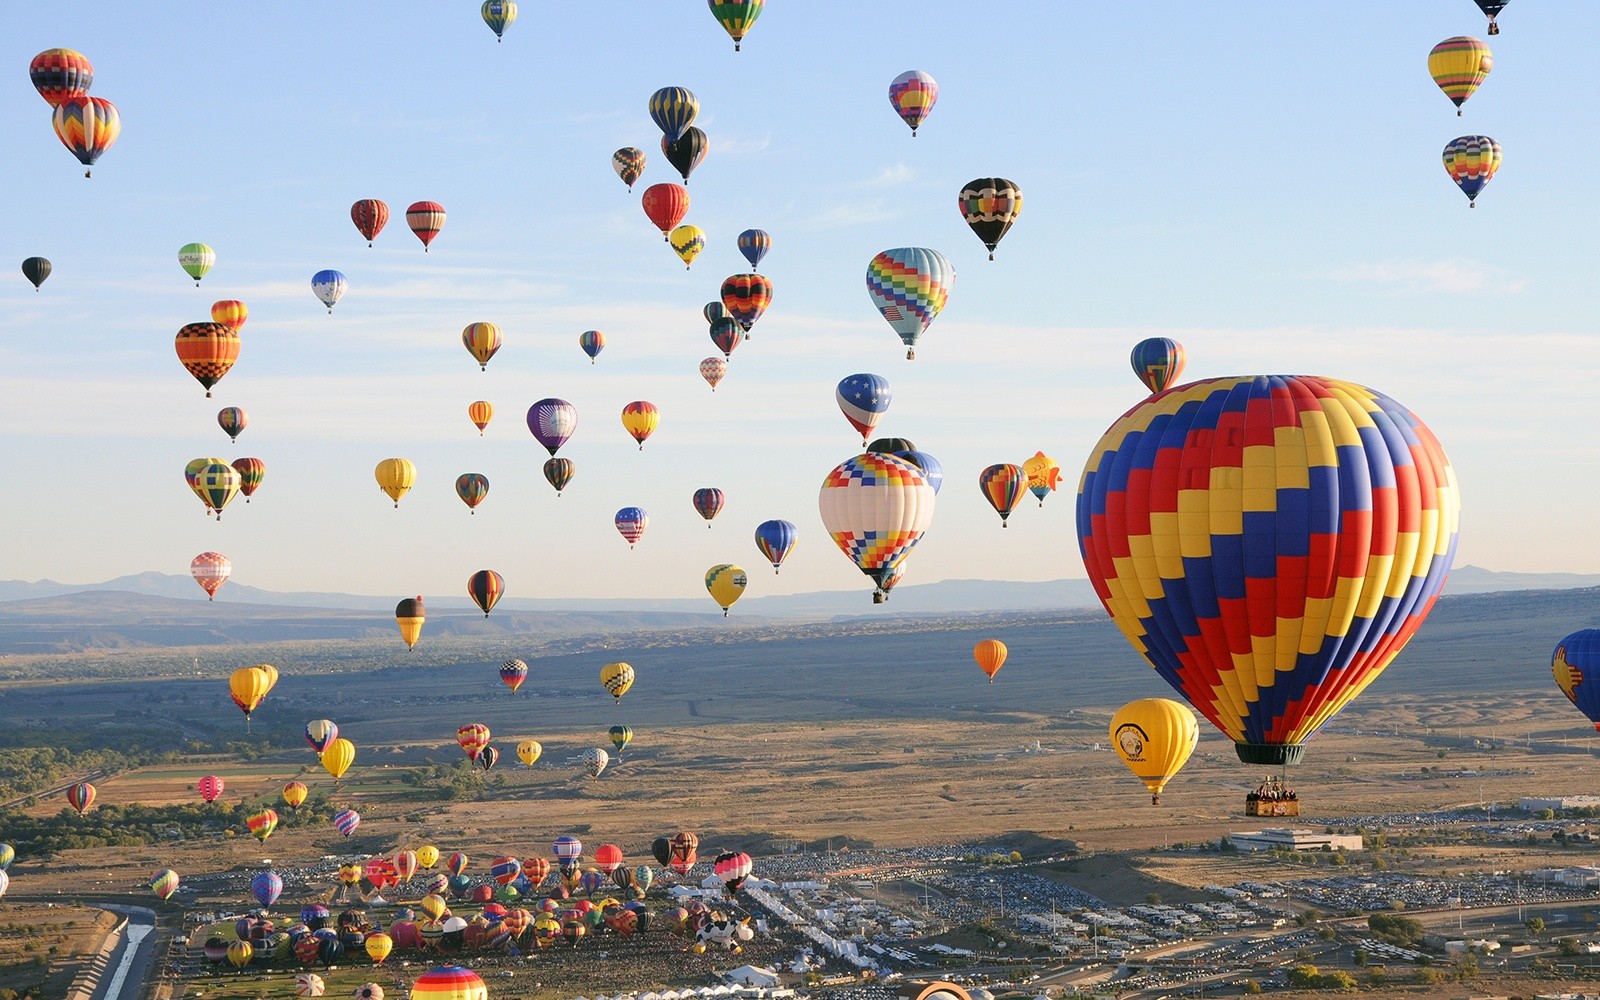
[1268, 544]
[909, 285]
[346, 821]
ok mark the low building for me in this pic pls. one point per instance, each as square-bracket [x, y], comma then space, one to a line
[1285, 839]
[1535, 803]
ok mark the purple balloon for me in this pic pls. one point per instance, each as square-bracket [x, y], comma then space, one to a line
[552, 422]
[266, 887]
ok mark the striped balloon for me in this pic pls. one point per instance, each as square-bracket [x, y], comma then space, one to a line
[450, 982]
[481, 340]
[486, 587]
[673, 109]
[1157, 361]
[708, 501]
[346, 821]
[370, 215]
[776, 540]
[261, 824]
[58, 74]
[745, 297]
[754, 244]
[499, 15]
[631, 523]
[80, 796]
[513, 673]
[505, 870]
[1268, 544]
[736, 16]
[87, 126]
[1458, 65]
[164, 883]
[426, 219]
[567, 850]
[628, 162]
[552, 422]
[210, 787]
[1003, 485]
[207, 351]
[1471, 161]
[592, 342]
[909, 285]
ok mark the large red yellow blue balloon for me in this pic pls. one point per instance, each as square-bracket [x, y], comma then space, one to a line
[1576, 667]
[1268, 544]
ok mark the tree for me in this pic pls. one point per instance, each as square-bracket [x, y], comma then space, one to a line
[1535, 925]
[1153, 898]
[1251, 987]
[1568, 947]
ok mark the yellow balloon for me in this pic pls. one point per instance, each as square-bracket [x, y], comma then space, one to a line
[1044, 475]
[378, 946]
[338, 757]
[396, 476]
[1154, 737]
[617, 678]
[1458, 65]
[427, 855]
[434, 906]
[271, 672]
[295, 793]
[248, 686]
[528, 751]
[481, 340]
[725, 583]
[687, 242]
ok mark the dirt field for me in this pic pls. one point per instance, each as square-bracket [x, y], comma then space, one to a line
[45, 945]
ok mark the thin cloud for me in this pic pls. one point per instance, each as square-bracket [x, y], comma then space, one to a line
[1448, 276]
[890, 177]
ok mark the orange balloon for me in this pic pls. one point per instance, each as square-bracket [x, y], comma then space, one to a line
[991, 656]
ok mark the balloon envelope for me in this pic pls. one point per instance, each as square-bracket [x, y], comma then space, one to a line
[1575, 664]
[913, 95]
[909, 286]
[1154, 737]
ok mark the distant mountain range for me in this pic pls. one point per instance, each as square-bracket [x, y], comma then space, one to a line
[944, 597]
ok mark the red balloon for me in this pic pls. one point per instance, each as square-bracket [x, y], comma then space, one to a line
[666, 205]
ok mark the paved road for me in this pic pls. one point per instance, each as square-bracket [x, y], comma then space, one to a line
[131, 965]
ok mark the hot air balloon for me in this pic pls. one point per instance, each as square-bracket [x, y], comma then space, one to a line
[1044, 475]
[776, 540]
[876, 508]
[505, 870]
[686, 152]
[233, 420]
[552, 422]
[687, 242]
[410, 614]
[207, 351]
[329, 286]
[595, 760]
[528, 751]
[1574, 665]
[87, 126]
[499, 15]
[628, 162]
[8, 854]
[736, 17]
[1158, 361]
[909, 285]
[240, 953]
[1458, 65]
[164, 883]
[746, 297]
[714, 369]
[247, 687]
[217, 484]
[592, 342]
[230, 313]
[1305, 575]
[684, 846]
[425, 218]
[405, 865]
[513, 673]
[480, 412]
[378, 945]
[472, 488]
[251, 473]
[1492, 9]
[558, 472]
[631, 523]
[320, 734]
[271, 672]
[990, 205]
[346, 821]
[457, 862]
[210, 787]
[336, 760]
[481, 340]
[673, 109]
[639, 419]
[1002, 485]
[395, 477]
[754, 244]
[294, 793]
[486, 587]
[36, 269]
[261, 824]
[370, 216]
[210, 570]
[733, 867]
[58, 74]
[863, 399]
[621, 736]
[473, 737]
[266, 887]
[567, 850]
[80, 796]
[197, 260]
[913, 94]
[726, 334]
[1154, 737]
[665, 205]
[932, 470]
[427, 856]
[449, 982]
[708, 503]
[991, 656]
[725, 582]
[616, 678]
[1471, 161]
[191, 475]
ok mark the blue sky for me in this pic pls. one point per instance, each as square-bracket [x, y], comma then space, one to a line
[1260, 181]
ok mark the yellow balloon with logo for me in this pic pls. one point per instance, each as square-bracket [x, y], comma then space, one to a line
[336, 760]
[395, 477]
[427, 856]
[528, 751]
[378, 946]
[1154, 737]
[725, 583]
